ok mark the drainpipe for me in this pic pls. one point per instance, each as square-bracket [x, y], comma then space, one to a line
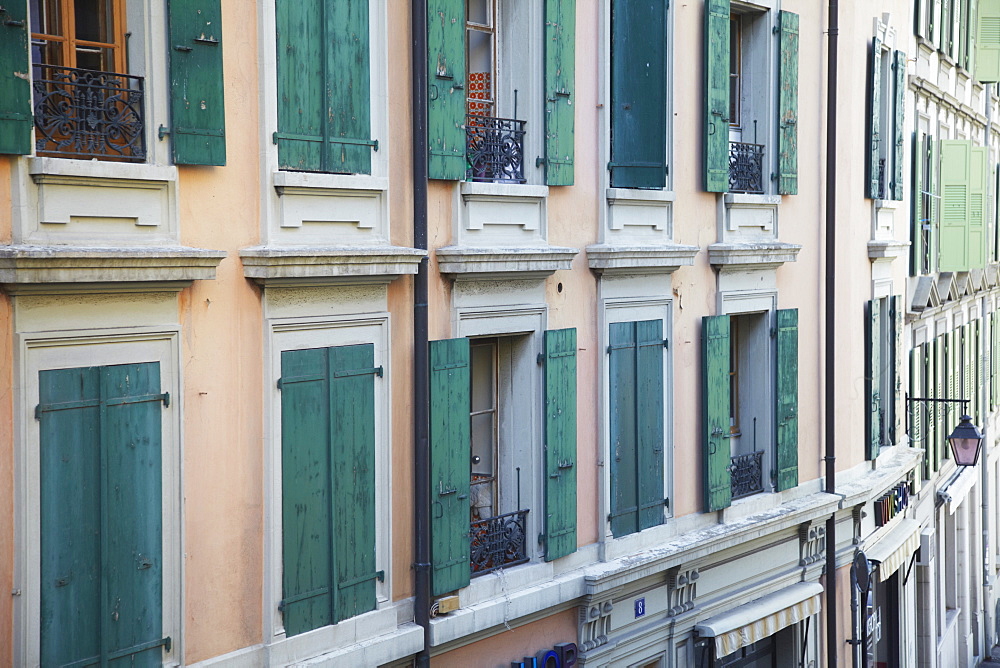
[830, 365]
[984, 411]
[422, 460]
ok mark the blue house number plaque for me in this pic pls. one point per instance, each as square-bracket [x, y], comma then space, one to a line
[640, 607]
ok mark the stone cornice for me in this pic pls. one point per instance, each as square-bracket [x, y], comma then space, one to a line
[755, 255]
[327, 265]
[615, 259]
[476, 263]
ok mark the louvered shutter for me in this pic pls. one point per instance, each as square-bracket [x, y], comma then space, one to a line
[197, 100]
[934, 188]
[874, 179]
[787, 405]
[560, 443]
[715, 406]
[449, 444]
[979, 173]
[15, 76]
[988, 42]
[895, 400]
[446, 92]
[638, 93]
[788, 103]
[716, 133]
[898, 114]
[873, 365]
[560, 87]
[955, 183]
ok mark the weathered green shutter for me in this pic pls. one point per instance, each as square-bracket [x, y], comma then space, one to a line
[197, 102]
[449, 442]
[979, 175]
[962, 46]
[560, 443]
[898, 114]
[787, 405]
[15, 76]
[987, 64]
[306, 500]
[716, 153]
[942, 368]
[788, 104]
[947, 28]
[895, 401]
[875, 64]
[446, 92]
[323, 70]
[917, 212]
[625, 462]
[934, 216]
[715, 406]
[955, 182]
[352, 408]
[873, 365]
[638, 93]
[101, 515]
[649, 420]
[560, 87]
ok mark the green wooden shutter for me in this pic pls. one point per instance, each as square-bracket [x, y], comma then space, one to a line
[962, 46]
[323, 70]
[716, 152]
[307, 548]
[649, 420]
[446, 89]
[955, 184]
[988, 42]
[898, 114]
[450, 436]
[895, 407]
[875, 64]
[873, 365]
[101, 515]
[995, 360]
[638, 93]
[917, 212]
[934, 188]
[787, 405]
[560, 86]
[352, 408]
[934, 391]
[15, 86]
[971, 30]
[979, 177]
[788, 104]
[715, 406]
[560, 443]
[625, 462]
[197, 101]
[947, 28]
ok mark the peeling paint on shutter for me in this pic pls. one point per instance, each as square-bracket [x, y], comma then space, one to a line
[898, 114]
[788, 103]
[15, 77]
[873, 365]
[875, 64]
[787, 405]
[560, 91]
[716, 133]
[560, 443]
[715, 406]
[446, 94]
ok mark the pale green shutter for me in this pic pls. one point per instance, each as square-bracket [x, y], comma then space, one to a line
[560, 443]
[988, 42]
[788, 103]
[787, 405]
[895, 401]
[716, 133]
[715, 406]
[917, 212]
[873, 365]
[446, 93]
[15, 86]
[875, 64]
[898, 114]
[449, 443]
[560, 87]
[955, 182]
[934, 188]
[979, 179]
[197, 100]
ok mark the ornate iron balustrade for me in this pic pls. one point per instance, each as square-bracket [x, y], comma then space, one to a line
[746, 474]
[89, 114]
[494, 149]
[499, 541]
[746, 167]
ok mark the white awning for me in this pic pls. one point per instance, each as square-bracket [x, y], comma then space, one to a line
[764, 617]
[959, 487]
[893, 549]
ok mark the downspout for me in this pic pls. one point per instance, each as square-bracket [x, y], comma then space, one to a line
[422, 460]
[831, 366]
[984, 411]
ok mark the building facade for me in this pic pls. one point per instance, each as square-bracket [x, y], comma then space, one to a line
[217, 286]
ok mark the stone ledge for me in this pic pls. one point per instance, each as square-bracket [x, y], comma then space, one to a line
[879, 249]
[303, 266]
[58, 269]
[611, 259]
[757, 255]
[475, 263]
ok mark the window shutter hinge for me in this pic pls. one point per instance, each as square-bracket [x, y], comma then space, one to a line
[666, 503]
[775, 30]
[279, 384]
[167, 644]
[163, 132]
[38, 412]
[166, 399]
[541, 359]
[541, 539]
[380, 575]
[539, 161]
[666, 343]
[774, 332]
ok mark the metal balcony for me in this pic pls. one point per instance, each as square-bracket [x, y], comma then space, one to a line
[746, 167]
[494, 149]
[498, 542]
[746, 474]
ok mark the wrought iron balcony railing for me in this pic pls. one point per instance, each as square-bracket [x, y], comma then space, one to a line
[89, 114]
[499, 541]
[494, 149]
[746, 167]
[746, 474]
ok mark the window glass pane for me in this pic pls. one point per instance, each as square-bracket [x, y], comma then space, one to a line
[95, 58]
[45, 17]
[735, 58]
[483, 379]
[44, 52]
[93, 20]
[479, 12]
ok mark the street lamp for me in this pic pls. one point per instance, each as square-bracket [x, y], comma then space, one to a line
[966, 440]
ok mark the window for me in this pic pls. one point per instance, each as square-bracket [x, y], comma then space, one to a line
[924, 230]
[883, 335]
[482, 452]
[750, 395]
[328, 485]
[887, 88]
[635, 392]
[964, 187]
[101, 514]
[747, 137]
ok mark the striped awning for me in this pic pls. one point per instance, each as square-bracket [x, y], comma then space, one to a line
[761, 618]
[892, 550]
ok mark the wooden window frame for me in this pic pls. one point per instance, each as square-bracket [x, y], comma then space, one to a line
[493, 479]
[69, 43]
[489, 29]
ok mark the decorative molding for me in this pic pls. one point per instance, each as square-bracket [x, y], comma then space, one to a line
[614, 259]
[886, 249]
[304, 266]
[756, 255]
[682, 588]
[812, 543]
[476, 263]
[595, 624]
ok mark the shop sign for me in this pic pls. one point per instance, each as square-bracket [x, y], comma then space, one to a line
[892, 503]
[562, 655]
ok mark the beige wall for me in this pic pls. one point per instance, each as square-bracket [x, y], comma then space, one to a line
[500, 650]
